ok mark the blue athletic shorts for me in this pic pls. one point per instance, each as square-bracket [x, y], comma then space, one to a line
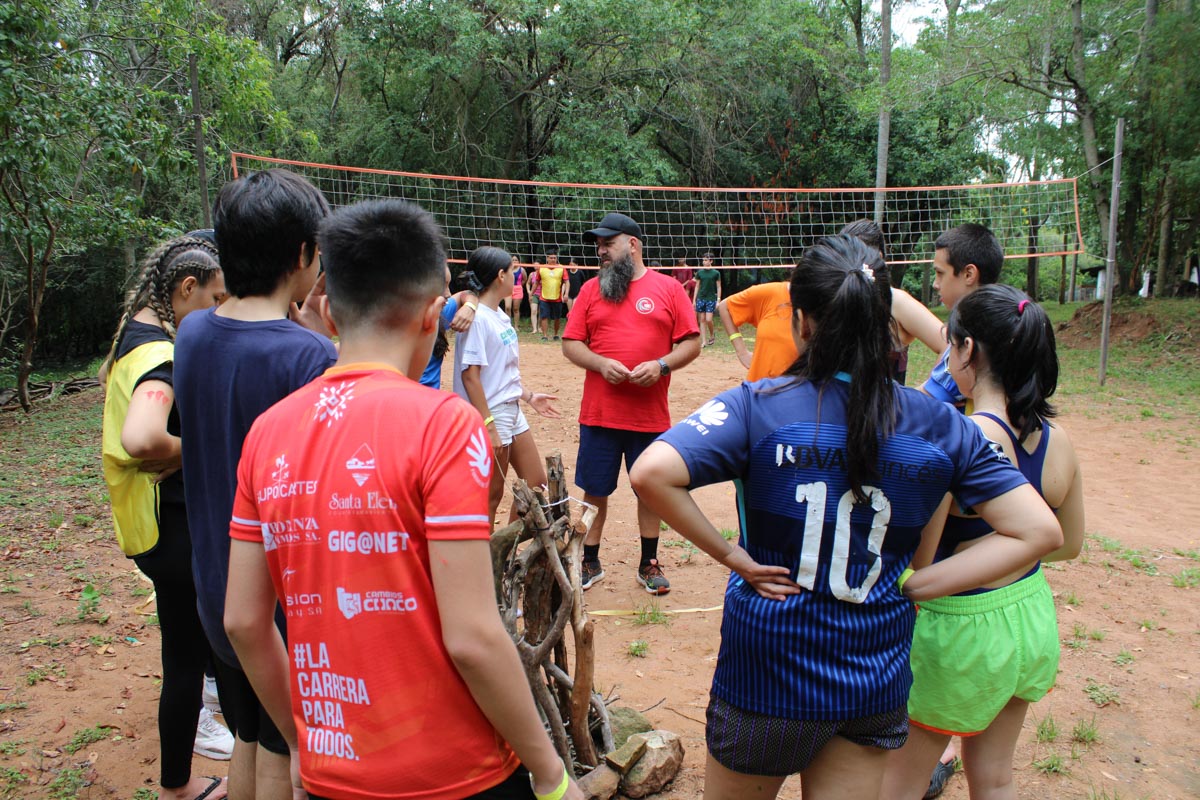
[600, 452]
[706, 306]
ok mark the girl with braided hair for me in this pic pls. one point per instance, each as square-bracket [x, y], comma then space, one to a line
[141, 457]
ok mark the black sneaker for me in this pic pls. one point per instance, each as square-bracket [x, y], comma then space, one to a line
[651, 576]
[592, 573]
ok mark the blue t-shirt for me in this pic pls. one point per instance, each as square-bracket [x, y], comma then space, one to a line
[227, 372]
[840, 649]
[432, 376]
[940, 384]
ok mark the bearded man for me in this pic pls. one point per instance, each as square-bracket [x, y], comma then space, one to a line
[630, 328]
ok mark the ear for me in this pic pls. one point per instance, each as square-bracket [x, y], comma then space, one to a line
[307, 254]
[969, 350]
[326, 314]
[970, 275]
[187, 286]
[430, 317]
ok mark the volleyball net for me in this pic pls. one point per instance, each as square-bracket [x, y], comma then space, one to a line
[748, 228]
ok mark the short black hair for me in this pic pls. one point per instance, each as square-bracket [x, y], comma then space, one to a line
[867, 232]
[972, 243]
[381, 255]
[551, 250]
[262, 220]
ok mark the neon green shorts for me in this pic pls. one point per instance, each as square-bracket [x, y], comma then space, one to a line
[972, 654]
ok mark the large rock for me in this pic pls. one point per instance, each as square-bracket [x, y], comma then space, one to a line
[657, 766]
[625, 722]
[600, 784]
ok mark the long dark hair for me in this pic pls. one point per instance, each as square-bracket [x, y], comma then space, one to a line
[1018, 341]
[843, 289]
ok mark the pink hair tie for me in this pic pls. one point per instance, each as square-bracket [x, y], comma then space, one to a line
[1021, 307]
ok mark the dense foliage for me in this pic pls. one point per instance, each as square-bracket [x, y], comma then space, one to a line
[96, 120]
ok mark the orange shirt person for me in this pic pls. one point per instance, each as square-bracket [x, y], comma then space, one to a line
[766, 307]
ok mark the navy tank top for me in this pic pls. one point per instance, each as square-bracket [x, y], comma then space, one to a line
[964, 529]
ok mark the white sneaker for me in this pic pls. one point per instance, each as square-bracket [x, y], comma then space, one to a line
[213, 740]
[211, 701]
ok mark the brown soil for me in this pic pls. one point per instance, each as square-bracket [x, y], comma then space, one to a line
[1129, 325]
[1134, 633]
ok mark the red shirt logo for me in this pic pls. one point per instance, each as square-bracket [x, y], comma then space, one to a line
[644, 305]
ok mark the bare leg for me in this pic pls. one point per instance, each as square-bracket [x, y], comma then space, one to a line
[499, 473]
[988, 757]
[597, 529]
[722, 783]
[527, 463]
[908, 769]
[242, 770]
[844, 771]
[273, 777]
[647, 521]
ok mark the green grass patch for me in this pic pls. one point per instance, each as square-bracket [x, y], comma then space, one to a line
[1123, 658]
[83, 738]
[1052, 764]
[1085, 731]
[638, 648]
[651, 615]
[1187, 579]
[1047, 730]
[1101, 694]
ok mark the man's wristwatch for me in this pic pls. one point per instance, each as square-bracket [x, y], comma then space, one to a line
[663, 367]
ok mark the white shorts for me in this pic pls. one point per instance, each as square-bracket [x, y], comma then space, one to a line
[509, 420]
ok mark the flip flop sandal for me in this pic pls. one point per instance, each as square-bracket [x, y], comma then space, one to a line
[937, 782]
[215, 783]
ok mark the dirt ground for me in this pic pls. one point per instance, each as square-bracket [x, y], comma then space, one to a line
[1127, 617]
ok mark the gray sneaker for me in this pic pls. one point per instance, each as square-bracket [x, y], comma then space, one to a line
[651, 576]
[213, 740]
[592, 573]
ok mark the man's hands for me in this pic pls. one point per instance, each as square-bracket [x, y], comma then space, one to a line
[615, 372]
[308, 313]
[646, 373]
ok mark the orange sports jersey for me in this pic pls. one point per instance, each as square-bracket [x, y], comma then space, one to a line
[769, 309]
[345, 482]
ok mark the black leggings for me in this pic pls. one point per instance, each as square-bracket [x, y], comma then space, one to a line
[185, 650]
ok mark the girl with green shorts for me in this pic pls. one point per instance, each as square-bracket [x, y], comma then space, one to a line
[979, 658]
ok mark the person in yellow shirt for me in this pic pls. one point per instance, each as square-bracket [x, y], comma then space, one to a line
[553, 309]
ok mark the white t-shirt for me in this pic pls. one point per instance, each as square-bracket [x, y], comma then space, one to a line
[491, 344]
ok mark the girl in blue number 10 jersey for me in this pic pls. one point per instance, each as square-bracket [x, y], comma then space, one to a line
[837, 471]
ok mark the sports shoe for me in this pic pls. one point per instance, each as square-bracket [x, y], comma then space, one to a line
[651, 576]
[213, 740]
[939, 779]
[211, 701]
[592, 572]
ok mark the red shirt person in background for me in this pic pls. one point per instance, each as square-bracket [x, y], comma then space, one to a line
[630, 328]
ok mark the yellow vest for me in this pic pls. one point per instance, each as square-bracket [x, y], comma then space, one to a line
[134, 493]
[552, 280]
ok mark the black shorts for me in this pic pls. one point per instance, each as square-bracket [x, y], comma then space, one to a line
[244, 715]
[514, 787]
[552, 309]
[756, 744]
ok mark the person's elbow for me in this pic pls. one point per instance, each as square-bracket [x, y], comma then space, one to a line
[472, 648]
[244, 626]
[689, 349]
[1046, 535]
[148, 444]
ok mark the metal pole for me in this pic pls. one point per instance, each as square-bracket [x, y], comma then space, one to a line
[1110, 266]
[201, 166]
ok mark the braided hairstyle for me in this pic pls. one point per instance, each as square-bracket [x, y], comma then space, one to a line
[162, 272]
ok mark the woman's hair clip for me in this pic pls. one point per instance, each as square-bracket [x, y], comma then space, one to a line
[1021, 307]
[870, 273]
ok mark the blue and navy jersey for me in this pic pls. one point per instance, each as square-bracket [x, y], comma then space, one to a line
[940, 384]
[840, 649]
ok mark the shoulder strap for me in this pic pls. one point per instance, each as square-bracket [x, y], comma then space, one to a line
[1002, 424]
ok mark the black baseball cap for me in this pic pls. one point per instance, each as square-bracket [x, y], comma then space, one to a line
[612, 224]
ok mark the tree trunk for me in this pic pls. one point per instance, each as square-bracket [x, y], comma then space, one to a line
[1087, 118]
[1161, 289]
[883, 139]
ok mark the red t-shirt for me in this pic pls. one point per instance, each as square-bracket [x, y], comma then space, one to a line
[345, 482]
[655, 315]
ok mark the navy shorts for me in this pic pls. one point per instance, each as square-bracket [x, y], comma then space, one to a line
[706, 306]
[243, 713]
[600, 452]
[756, 744]
[553, 309]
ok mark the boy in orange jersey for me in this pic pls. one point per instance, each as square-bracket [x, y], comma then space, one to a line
[378, 552]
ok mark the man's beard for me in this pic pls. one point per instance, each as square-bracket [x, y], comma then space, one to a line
[615, 278]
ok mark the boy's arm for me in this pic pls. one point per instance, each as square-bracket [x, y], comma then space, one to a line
[917, 322]
[739, 344]
[486, 659]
